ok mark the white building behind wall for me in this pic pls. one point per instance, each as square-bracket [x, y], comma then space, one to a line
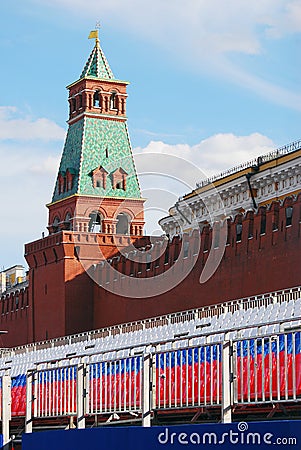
[270, 177]
[11, 277]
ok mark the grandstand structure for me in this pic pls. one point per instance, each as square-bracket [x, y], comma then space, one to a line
[228, 361]
[93, 341]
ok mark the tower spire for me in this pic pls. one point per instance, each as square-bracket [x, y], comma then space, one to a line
[97, 65]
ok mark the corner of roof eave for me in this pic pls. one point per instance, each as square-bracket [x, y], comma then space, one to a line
[113, 80]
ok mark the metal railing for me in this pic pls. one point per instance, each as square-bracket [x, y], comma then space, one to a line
[1, 397]
[55, 392]
[246, 371]
[286, 149]
[267, 369]
[188, 377]
[114, 386]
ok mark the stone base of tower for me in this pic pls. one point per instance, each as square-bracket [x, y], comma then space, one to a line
[60, 287]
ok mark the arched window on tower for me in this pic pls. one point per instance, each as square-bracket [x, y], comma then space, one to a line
[216, 230]
[73, 102]
[96, 99]
[113, 101]
[95, 224]
[55, 225]
[275, 223]
[238, 231]
[122, 226]
[68, 225]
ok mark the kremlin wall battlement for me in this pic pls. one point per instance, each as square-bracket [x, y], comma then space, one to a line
[253, 261]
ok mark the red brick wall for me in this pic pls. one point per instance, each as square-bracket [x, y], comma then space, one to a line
[16, 319]
[63, 299]
[60, 289]
[263, 263]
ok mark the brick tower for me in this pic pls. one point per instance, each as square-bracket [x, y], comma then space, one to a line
[96, 207]
[97, 186]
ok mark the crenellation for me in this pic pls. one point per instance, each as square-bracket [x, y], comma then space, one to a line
[248, 230]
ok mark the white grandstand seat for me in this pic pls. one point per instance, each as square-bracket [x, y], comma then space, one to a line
[249, 333]
[215, 338]
[273, 328]
[259, 317]
[253, 316]
[233, 335]
[282, 311]
[261, 313]
[237, 318]
[199, 340]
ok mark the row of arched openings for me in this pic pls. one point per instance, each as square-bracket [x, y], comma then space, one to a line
[97, 100]
[96, 223]
[109, 102]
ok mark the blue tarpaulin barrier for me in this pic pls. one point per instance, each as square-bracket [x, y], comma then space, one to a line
[238, 436]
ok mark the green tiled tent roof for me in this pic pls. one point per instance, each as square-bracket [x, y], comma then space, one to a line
[94, 142]
[97, 65]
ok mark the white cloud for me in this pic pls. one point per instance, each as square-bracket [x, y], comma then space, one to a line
[46, 166]
[153, 134]
[23, 214]
[29, 156]
[213, 154]
[27, 160]
[23, 194]
[288, 21]
[231, 25]
[276, 94]
[15, 125]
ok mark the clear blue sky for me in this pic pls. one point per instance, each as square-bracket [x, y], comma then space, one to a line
[212, 81]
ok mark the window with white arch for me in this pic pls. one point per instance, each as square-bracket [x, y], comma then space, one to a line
[95, 223]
